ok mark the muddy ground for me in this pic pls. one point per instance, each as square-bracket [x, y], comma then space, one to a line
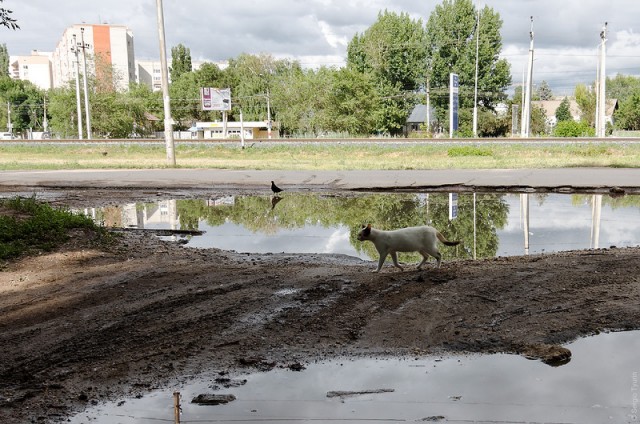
[92, 321]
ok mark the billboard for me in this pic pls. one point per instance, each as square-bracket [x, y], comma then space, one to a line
[215, 98]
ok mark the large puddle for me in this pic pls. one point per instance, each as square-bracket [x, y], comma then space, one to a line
[488, 224]
[599, 385]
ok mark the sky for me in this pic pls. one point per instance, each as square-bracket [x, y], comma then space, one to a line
[317, 32]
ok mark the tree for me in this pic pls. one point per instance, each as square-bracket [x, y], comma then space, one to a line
[628, 115]
[451, 48]
[586, 100]
[622, 87]
[563, 113]
[6, 19]
[392, 51]
[180, 61]
[4, 60]
[25, 101]
[543, 92]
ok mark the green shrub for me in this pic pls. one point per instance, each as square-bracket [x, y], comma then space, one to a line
[469, 151]
[38, 226]
[573, 129]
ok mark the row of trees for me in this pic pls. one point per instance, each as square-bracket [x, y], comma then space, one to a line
[391, 67]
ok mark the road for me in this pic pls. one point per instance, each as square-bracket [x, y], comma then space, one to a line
[560, 179]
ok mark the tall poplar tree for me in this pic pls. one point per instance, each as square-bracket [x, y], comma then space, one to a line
[393, 52]
[452, 33]
[180, 61]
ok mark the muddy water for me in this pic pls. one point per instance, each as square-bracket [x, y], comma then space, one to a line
[598, 385]
[489, 224]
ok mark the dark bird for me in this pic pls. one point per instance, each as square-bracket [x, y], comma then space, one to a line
[274, 201]
[275, 188]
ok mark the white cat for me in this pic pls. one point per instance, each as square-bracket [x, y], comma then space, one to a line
[422, 239]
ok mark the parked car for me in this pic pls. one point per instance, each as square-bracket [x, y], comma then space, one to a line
[6, 136]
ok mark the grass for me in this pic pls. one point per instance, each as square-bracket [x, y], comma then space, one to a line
[322, 157]
[28, 226]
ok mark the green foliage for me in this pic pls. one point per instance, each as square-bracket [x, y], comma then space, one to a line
[180, 61]
[586, 100]
[622, 87]
[469, 151]
[6, 19]
[628, 114]
[38, 227]
[543, 92]
[4, 61]
[451, 41]
[26, 102]
[572, 128]
[563, 113]
[392, 51]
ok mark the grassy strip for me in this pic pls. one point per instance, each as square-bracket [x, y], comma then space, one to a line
[27, 226]
[322, 157]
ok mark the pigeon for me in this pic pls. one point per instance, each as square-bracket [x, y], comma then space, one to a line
[275, 188]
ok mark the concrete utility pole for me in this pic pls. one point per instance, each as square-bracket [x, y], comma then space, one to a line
[526, 107]
[168, 121]
[601, 107]
[87, 112]
[74, 49]
[475, 96]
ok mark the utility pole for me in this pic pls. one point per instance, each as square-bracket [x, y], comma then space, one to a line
[526, 109]
[9, 124]
[168, 121]
[428, 109]
[45, 121]
[601, 124]
[268, 115]
[87, 112]
[475, 96]
[74, 49]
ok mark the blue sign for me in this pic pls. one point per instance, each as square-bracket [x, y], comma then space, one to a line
[453, 104]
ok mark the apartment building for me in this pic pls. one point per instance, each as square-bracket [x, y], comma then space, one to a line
[103, 46]
[35, 68]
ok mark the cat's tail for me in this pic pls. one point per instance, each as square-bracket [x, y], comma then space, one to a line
[445, 241]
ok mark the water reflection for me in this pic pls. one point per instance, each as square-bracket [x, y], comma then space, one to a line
[597, 386]
[488, 224]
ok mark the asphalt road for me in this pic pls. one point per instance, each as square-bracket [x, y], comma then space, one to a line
[580, 179]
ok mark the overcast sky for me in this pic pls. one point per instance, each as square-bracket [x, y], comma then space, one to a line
[316, 32]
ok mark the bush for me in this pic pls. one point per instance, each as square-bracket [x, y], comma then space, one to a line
[469, 151]
[573, 129]
[38, 226]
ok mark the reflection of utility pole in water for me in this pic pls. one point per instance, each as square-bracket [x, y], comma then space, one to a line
[524, 215]
[474, 226]
[596, 209]
[172, 211]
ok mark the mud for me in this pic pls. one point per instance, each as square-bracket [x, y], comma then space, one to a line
[94, 321]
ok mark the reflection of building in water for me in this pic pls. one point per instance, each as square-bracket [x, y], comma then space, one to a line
[222, 201]
[150, 214]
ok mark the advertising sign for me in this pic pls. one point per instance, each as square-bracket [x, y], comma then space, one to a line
[215, 98]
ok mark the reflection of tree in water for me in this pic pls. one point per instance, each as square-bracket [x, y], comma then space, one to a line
[383, 211]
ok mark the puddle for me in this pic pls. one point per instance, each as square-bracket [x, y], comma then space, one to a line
[599, 385]
[488, 224]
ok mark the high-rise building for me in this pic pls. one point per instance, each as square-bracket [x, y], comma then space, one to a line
[150, 74]
[35, 68]
[106, 48]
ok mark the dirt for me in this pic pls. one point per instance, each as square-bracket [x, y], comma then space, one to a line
[92, 322]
